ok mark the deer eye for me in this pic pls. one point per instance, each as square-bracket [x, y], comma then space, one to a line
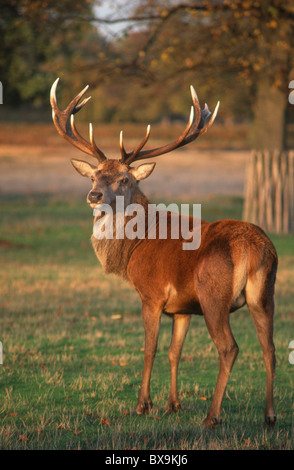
[125, 180]
[92, 179]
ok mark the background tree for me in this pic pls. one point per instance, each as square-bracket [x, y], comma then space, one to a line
[238, 51]
[231, 44]
[40, 38]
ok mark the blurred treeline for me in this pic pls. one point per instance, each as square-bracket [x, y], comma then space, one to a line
[238, 52]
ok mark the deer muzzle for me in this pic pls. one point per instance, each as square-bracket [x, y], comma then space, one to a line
[95, 197]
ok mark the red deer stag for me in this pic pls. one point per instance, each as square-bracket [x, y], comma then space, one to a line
[235, 264]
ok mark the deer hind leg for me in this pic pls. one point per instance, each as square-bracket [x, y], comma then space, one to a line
[181, 324]
[151, 319]
[260, 301]
[217, 321]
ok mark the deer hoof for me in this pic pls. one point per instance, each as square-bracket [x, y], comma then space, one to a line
[143, 407]
[174, 407]
[270, 421]
[210, 423]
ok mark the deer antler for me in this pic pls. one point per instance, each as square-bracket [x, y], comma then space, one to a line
[203, 120]
[65, 125]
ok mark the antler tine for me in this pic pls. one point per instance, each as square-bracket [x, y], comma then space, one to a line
[203, 120]
[124, 154]
[73, 106]
[93, 143]
[209, 119]
[135, 152]
[197, 107]
[64, 123]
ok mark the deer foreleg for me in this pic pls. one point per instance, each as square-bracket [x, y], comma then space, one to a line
[151, 320]
[181, 324]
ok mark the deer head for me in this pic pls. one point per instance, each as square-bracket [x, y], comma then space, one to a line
[111, 177]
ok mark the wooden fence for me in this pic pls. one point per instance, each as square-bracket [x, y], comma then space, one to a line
[269, 191]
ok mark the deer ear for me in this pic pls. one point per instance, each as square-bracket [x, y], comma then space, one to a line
[84, 168]
[143, 171]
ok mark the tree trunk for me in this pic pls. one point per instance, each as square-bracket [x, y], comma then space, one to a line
[269, 124]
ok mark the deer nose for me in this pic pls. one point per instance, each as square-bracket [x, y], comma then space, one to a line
[95, 196]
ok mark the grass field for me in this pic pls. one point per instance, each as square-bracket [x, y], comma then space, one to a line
[73, 346]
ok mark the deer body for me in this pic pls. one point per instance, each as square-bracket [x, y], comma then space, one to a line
[209, 281]
[235, 264]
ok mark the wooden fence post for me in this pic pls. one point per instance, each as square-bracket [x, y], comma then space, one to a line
[269, 191]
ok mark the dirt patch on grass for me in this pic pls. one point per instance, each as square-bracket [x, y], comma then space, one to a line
[6, 244]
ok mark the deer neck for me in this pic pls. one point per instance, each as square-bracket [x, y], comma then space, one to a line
[114, 253]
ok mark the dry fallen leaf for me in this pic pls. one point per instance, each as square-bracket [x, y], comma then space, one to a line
[7, 431]
[105, 421]
[203, 398]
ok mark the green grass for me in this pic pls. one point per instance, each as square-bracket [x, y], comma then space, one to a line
[73, 338]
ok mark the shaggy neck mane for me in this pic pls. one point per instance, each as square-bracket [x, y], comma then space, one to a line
[114, 254]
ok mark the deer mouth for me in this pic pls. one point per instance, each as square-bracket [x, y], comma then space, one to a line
[94, 204]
